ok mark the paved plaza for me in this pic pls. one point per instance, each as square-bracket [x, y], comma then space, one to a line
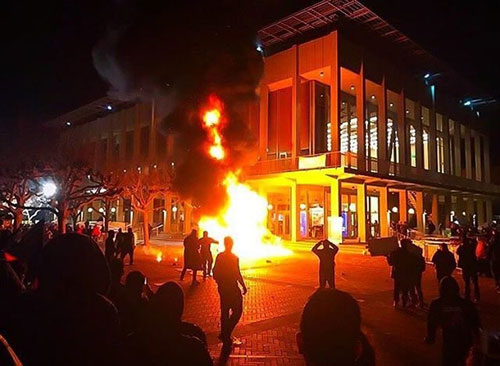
[278, 290]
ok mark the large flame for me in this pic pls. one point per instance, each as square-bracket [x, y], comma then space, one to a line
[245, 214]
[244, 219]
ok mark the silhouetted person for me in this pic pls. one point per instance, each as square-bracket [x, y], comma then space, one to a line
[458, 319]
[403, 272]
[128, 246]
[228, 276]
[468, 262]
[192, 259]
[163, 339]
[207, 259]
[330, 331]
[431, 227]
[417, 263]
[10, 288]
[109, 246]
[494, 254]
[117, 292]
[67, 320]
[445, 263]
[326, 257]
[120, 236]
[136, 301]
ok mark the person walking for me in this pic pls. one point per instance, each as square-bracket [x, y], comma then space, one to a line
[207, 259]
[326, 257]
[229, 279]
[459, 321]
[417, 269]
[192, 259]
[444, 261]
[109, 246]
[128, 246]
[120, 237]
[468, 262]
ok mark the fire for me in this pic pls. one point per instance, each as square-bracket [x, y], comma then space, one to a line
[244, 219]
[245, 215]
[159, 257]
[212, 121]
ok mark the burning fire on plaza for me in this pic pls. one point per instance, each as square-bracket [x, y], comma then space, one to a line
[245, 213]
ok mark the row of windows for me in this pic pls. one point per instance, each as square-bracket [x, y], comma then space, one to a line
[316, 130]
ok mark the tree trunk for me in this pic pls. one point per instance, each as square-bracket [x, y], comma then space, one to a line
[62, 213]
[145, 222]
[18, 218]
[107, 215]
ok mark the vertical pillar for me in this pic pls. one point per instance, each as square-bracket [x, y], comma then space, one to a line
[168, 216]
[468, 153]
[432, 140]
[403, 206]
[382, 130]
[335, 197]
[458, 156]
[335, 94]
[418, 128]
[446, 143]
[295, 108]
[486, 158]
[419, 211]
[383, 209]
[478, 157]
[360, 113]
[188, 214]
[361, 210]
[470, 209]
[264, 115]
[402, 130]
[294, 217]
[435, 209]
[481, 219]
[489, 211]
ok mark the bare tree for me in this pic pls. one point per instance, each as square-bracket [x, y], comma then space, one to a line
[142, 187]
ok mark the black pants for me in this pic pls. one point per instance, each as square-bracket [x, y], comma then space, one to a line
[401, 288]
[418, 288]
[325, 276]
[471, 276]
[455, 356]
[207, 262]
[130, 253]
[231, 309]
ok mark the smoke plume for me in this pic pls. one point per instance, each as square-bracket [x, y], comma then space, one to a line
[179, 53]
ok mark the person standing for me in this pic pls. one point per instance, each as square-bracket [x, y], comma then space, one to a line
[207, 259]
[417, 268]
[128, 246]
[229, 279]
[403, 271]
[120, 236]
[468, 262]
[192, 258]
[459, 321]
[326, 257]
[109, 246]
[494, 254]
[444, 261]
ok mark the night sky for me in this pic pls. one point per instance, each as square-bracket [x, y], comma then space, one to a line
[47, 69]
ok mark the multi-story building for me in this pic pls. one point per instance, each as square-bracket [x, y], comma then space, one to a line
[355, 121]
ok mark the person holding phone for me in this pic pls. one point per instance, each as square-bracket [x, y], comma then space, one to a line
[326, 252]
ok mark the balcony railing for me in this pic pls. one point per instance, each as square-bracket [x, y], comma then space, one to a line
[381, 168]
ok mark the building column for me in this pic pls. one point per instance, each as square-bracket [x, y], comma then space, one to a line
[263, 121]
[419, 138]
[486, 158]
[478, 157]
[446, 142]
[383, 166]
[383, 209]
[435, 209]
[458, 156]
[419, 211]
[335, 94]
[335, 199]
[295, 109]
[481, 219]
[402, 131]
[468, 153]
[294, 207]
[489, 211]
[361, 211]
[360, 114]
[403, 206]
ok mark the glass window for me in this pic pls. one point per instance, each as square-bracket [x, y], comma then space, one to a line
[451, 143]
[439, 122]
[348, 124]
[116, 146]
[161, 144]
[413, 146]
[426, 146]
[129, 145]
[279, 133]
[425, 117]
[371, 133]
[440, 154]
[145, 140]
[322, 126]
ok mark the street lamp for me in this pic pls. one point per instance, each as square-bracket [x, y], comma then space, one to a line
[49, 189]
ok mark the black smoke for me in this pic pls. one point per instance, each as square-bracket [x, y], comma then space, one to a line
[179, 53]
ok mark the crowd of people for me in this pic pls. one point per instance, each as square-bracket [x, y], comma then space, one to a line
[75, 308]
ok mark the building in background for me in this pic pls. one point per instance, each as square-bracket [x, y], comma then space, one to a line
[355, 121]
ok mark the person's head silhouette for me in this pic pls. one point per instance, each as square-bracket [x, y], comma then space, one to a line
[205, 234]
[228, 244]
[330, 330]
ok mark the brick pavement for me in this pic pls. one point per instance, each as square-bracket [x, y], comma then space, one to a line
[278, 291]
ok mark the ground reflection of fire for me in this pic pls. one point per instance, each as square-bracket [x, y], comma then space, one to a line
[245, 214]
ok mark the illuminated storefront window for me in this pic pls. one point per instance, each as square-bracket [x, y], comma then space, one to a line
[371, 134]
[392, 141]
[413, 146]
[348, 125]
[440, 154]
[425, 145]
